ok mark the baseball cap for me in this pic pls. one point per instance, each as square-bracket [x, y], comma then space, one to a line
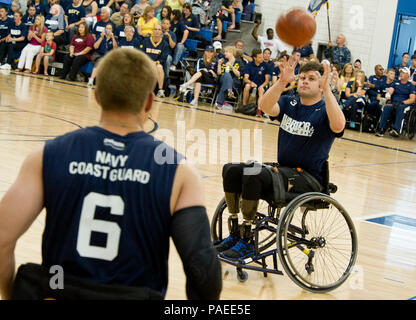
[209, 48]
[217, 45]
[405, 70]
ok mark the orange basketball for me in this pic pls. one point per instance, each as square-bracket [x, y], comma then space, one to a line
[296, 27]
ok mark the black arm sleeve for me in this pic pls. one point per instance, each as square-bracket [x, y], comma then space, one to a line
[190, 233]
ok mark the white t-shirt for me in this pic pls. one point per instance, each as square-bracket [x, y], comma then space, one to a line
[274, 44]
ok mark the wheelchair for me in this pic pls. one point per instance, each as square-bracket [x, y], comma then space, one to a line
[313, 235]
[408, 127]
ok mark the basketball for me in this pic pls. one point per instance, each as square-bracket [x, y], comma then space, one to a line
[296, 27]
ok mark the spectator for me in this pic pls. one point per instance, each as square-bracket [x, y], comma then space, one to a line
[100, 25]
[224, 14]
[206, 68]
[91, 11]
[230, 71]
[80, 51]
[175, 4]
[147, 22]
[29, 18]
[56, 23]
[138, 9]
[117, 17]
[374, 108]
[47, 54]
[157, 5]
[178, 27]
[128, 20]
[346, 76]
[357, 65]
[170, 38]
[76, 15]
[403, 64]
[157, 50]
[306, 51]
[283, 57]
[401, 95]
[16, 7]
[241, 54]
[102, 46]
[4, 31]
[165, 13]
[129, 40]
[15, 41]
[36, 35]
[339, 54]
[191, 23]
[376, 83]
[38, 6]
[355, 93]
[104, 3]
[413, 69]
[275, 45]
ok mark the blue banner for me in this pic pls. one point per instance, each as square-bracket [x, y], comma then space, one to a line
[315, 6]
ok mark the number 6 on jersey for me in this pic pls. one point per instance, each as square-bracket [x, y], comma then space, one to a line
[88, 224]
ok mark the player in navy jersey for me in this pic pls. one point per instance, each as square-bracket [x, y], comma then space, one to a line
[113, 196]
[402, 96]
[309, 125]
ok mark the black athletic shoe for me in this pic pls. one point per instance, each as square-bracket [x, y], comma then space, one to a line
[243, 249]
[379, 133]
[227, 243]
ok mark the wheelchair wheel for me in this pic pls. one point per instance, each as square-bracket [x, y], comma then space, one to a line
[411, 124]
[317, 242]
[221, 226]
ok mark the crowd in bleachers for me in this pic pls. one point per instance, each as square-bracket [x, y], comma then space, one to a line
[170, 33]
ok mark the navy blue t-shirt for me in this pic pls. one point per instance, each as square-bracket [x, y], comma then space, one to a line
[191, 21]
[105, 46]
[107, 200]
[402, 91]
[28, 21]
[119, 33]
[257, 73]
[380, 85]
[305, 137]
[134, 43]
[18, 31]
[100, 27]
[306, 51]
[173, 36]
[4, 27]
[178, 29]
[75, 13]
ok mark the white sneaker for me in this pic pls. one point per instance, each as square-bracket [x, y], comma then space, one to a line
[90, 81]
[194, 102]
[161, 94]
[6, 66]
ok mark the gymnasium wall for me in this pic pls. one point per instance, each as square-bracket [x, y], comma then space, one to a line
[368, 25]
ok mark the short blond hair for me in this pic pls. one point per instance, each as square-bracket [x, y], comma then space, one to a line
[231, 49]
[125, 78]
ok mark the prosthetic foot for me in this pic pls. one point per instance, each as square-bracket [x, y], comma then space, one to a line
[244, 248]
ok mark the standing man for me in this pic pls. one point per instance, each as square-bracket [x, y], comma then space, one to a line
[339, 54]
[112, 202]
[274, 44]
[309, 125]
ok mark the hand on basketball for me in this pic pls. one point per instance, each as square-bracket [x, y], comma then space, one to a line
[287, 70]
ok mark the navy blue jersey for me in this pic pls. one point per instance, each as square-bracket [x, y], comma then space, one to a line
[191, 21]
[306, 51]
[380, 85]
[178, 29]
[156, 51]
[211, 66]
[134, 43]
[100, 27]
[270, 67]
[28, 21]
[4, 27]
[18, 31]
[166, 38]
[105, 46]
[402, 91]
[107, 200]
[257, 73]
[75, 13]
[305, 137]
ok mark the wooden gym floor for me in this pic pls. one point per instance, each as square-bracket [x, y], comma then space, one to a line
[376, 178]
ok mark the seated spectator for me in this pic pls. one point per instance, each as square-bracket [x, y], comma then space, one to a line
[38, 4]
[165, 13]
[376, 83]
[157, 50]
[374, 107]
[105, 43]
[170, 37]
[230, 71]
[206, 68]
[29, 18]
[75, 14]
[129, 40]
[15, 7]
[80, 51]
[128, 20]
[190, 21]
[55, 22]
[347, 75]
[401, 95]
[269, 41]
[268, 61]
[218, 50]
[306, 51]
[47, 54]
[91, 11]
[117, 17]
[36, 35]
[412, 70]
[178, 27]
[355, 93]
[255, 76]
[357, 65]
[200, 9]
[104, 3]
[245, 57]
[15, 41]
[224, 14]
[403, 64]
[138, 9]
[175, 4]
[283, 57]
[339, 54]
[147, 22]
[100, 25]
[4, 28]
